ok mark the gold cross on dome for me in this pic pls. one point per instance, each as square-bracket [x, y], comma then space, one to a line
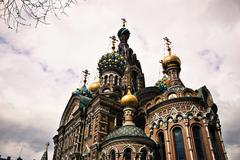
[124, 21]
[114, 40]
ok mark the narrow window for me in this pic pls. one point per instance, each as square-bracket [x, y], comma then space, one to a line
[161, 144]
[113, 155]
[178, 143]
[127, 154]
[198, 142]
[105, 79]
[116, 80]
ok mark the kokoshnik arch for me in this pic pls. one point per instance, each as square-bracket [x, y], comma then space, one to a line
[118, 118]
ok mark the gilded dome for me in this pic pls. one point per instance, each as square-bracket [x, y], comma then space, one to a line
[93, 87]
[129, 99]
[112, 62]
[171, 58]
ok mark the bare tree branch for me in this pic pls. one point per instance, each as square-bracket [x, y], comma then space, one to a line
[17, 13]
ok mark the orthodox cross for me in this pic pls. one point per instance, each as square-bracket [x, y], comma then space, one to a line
[114, 40]
[167, 43]
[86, 73]
[124, 21]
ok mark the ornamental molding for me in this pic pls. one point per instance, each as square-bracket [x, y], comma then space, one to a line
[175, 115]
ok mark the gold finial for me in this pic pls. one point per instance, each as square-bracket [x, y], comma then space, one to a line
[124, 21]
[114, 40]
[168, 43]
[86, 73]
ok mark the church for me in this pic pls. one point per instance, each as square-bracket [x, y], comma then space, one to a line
[117, 117]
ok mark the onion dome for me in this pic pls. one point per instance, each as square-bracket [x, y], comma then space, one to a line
[93, 87]
[123, 34]
[171, 59]
[162, 84]
[112, 62]
[129, 99]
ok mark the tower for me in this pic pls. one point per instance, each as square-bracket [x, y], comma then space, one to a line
[183, 122]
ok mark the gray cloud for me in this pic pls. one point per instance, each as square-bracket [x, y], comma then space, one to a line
[16, 132]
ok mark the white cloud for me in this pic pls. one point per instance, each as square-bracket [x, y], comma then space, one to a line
[39, 68]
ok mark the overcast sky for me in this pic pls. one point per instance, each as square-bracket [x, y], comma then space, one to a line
[40, 67]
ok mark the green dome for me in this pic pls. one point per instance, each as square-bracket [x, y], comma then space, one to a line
[112, 62]
[126, 131]
[83, 91]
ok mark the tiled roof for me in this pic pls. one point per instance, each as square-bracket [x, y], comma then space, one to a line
[128, 130]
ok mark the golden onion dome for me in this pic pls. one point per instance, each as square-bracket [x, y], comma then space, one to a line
[93, 87]
[129, 99]
[171, 58]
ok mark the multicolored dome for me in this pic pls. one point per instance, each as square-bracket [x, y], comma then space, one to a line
[162, 83]
[112, 62]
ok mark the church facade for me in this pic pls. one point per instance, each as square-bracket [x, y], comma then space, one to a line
[118, 118]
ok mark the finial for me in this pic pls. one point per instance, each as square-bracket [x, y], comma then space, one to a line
[167, 43]
[114, 40]
[124, 21]
[86, 73]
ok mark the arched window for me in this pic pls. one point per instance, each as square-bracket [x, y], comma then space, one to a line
[105, 79]
[143, 154]
[127, 154]
[116, 80]
[197, 136]
[178, 144]
[113, 155]
[161, 143]
[111, 79]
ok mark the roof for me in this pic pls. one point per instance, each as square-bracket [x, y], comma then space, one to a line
[127, 131]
